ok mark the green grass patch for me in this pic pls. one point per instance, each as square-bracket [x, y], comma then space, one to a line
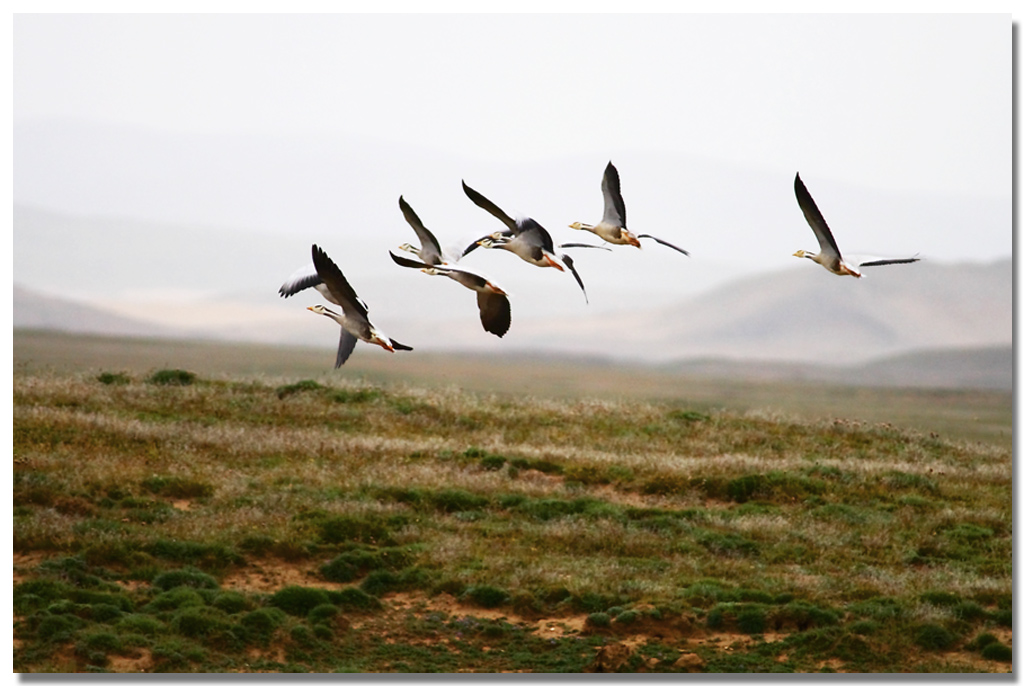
[114, 379]
[172, 377]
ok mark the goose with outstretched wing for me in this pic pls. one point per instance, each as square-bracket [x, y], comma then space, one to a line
[828, 255]
[524, 237]
[612, 227]
[353, 318]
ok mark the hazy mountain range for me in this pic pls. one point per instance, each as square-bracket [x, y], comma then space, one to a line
[147, 233]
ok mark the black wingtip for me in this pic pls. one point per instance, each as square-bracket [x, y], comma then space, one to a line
[798, 184]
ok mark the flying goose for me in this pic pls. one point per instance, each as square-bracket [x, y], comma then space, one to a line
[355, 325]
[524, 237]
[495, 311]
[612, 226]
[829, 256]
[430, 250]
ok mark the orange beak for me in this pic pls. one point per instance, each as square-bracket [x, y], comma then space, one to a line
[384, 343]
[552, 263]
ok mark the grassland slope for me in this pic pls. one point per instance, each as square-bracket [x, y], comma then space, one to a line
[173, 523]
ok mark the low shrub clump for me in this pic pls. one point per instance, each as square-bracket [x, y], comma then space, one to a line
[172, 377]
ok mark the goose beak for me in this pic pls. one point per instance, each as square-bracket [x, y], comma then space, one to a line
[384, 343]
[551, 261]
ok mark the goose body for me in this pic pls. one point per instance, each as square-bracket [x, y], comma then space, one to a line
[524, 237]
[353, 318]
[612, 227]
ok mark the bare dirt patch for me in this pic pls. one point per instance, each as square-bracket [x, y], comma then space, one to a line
[269, 576]
[23, 562]
[143, 662]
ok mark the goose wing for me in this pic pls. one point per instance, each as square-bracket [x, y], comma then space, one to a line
[406, 262]
[483, 203]
[303, 278]
[813, 216]
[895, 260]
[338, 285]
[531, 232]
[346, 344]
[430, 249]
[495, 312]
[584, 245]
[568, 263]
[614, 207]
[470, 280]
[665, 243]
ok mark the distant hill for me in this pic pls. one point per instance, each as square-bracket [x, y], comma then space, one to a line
[984, 367]
[805, 314]
[218, 283]
[235, 214]
[35, 311]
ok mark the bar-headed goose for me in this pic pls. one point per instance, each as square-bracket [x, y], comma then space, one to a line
[524, 237]
[612, 226]
[829, 256]
[355, 324]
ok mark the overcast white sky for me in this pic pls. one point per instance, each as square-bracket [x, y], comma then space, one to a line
[903, 102]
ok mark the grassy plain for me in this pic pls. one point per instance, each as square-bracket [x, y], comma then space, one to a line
[957, 414]
[260, 518]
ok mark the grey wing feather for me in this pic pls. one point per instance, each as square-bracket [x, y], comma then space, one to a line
[813, 216]
[665, 243]
[299, 281]
[495, 312]
[483, 203]
[346, 344]
[406, 262]
[878, 263]
[430, 249]
[614, 207]
[530, 230]
[568, 263]
[584, 245]
[469, 279]
[337, 284]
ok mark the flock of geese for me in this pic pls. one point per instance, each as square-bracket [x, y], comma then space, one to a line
[532, 243]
